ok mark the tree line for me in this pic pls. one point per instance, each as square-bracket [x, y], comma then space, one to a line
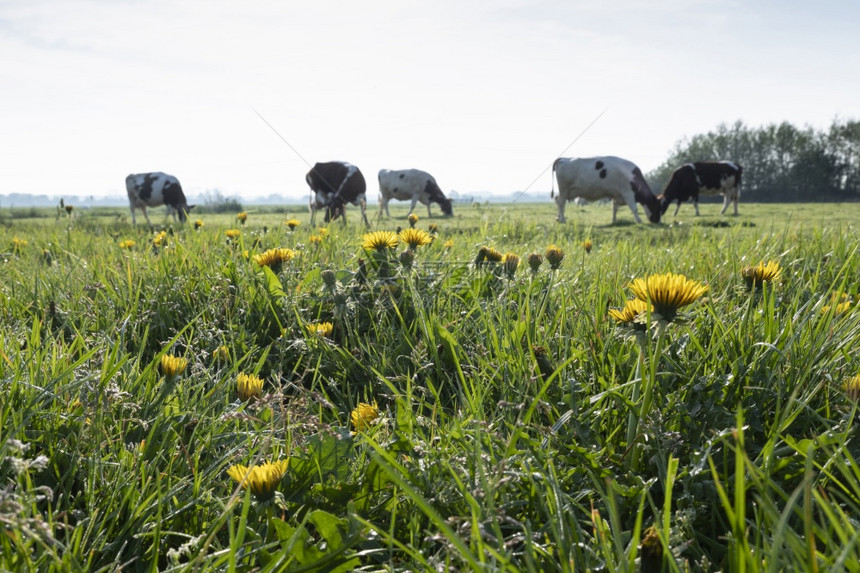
[781, 163]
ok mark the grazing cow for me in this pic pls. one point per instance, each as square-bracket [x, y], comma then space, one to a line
[604, 177]
[335, 184]
[704, 178]
[411, 184]
[153, 190]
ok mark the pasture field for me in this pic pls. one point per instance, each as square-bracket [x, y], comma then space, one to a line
[178, 399]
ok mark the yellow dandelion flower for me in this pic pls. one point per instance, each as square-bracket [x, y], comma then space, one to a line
[315, 239]
[18, 244]
[586, 244]
[221, 354]
[363, 415]
[323, 329]
[379, 241]
[852, 388]
[668, 292]
[415, 238]
[242, 217]
[160, 240]
[756, 276]
[198, 223]
[262, 480]
[172, 365]
[631, 309]
[274, 258]
[554, 255]
[127, 244]
[449, 244]
[232, 233]
[291, 223]
[841, 303]
[323, 232]
[249, 386]
[511, 261]
[413, 218]
[433, 228]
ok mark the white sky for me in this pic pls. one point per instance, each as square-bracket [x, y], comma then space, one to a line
[482, 94]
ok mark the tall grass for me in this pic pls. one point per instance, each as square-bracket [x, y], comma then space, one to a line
[520, 428]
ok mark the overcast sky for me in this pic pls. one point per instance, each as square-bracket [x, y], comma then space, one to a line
[482, 94]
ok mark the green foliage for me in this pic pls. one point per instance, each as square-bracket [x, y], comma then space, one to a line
[781, 162]
[519, 428]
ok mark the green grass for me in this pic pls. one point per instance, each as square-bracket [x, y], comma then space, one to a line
[520, 428]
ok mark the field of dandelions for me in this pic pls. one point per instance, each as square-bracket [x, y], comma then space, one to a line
[492, 391]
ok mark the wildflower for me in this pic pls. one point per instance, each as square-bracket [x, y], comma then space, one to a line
[160, 240]
[535, 260]
[852, 388]
[363, 415]
[379, 241]
[172, 365]
[221, 354]
[198, 224]
[413, 218]
[262, 479]
[510, 261]
[323, 232]
[69, 209]
[127, 244]
[554, 256]
[668, 292]
[242, 217]
[329, 278]
[415, 238]
[586, 244]
[323, 329]
[315, 239]
[47, 257]
[841, 303]
[232, 233]
[249, 386]
[651, 550]
[756, 276]
[274, 258]
[449, 244]
[433, 228]
[292, 224]
[631, 310]
[18, 244]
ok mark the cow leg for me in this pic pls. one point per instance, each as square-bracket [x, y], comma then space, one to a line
[677, 208]
[148, 222]
[363, 206]
[631, 202]
[133, 220]
[696, 206]
[412, 206]
[383, 204]
[735, 201]
[560, 202]
[428, 210]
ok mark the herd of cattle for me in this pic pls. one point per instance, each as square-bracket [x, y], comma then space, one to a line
[337, 183]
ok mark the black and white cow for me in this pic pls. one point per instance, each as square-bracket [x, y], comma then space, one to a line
[153, 190]
[411, 185]
[607, 177]
[335, 184]
[704, 178]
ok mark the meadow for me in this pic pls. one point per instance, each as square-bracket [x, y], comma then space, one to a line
[243, 395]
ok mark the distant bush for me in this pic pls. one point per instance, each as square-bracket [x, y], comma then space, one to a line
[215, 202]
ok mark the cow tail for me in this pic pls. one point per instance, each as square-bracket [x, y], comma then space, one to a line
[552, 181]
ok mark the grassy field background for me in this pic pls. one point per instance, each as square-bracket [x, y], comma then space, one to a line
[519, 427]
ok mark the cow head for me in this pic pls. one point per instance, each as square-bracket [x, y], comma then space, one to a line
[183, 211]
[333, 209]
[445, 204]
[653, 208]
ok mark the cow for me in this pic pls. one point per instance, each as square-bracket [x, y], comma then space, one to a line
[153, 190]
[704, 178]
[604, 177]
[336, 183]
[411, 184]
